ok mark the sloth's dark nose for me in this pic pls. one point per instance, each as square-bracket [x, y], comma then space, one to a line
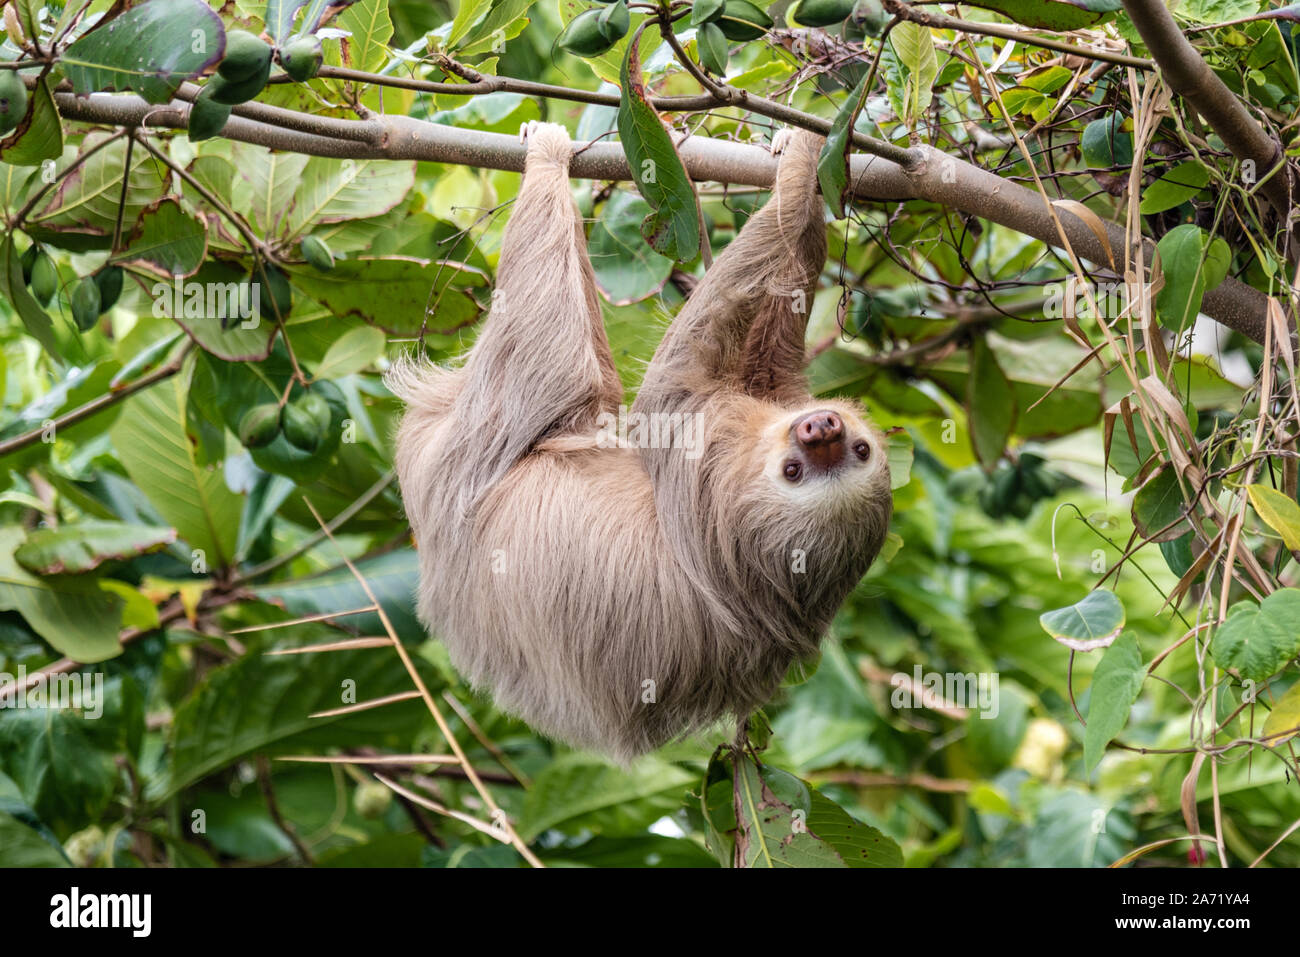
[819, 428]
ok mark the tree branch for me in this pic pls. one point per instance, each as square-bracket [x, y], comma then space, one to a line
[1188, 75]
[928, 175]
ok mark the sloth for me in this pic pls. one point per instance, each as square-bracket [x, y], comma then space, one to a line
[618, 592]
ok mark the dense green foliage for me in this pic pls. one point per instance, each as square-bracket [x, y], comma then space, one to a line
[194, 326]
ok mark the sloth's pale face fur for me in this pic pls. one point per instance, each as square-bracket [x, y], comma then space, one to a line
[617, 598]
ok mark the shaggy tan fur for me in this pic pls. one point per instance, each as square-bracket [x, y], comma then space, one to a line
[617, 598]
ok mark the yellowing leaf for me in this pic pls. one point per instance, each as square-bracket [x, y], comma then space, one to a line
[1280, 512]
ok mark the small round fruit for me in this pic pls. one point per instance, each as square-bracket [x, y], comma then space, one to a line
[317, 408]
[27, 261]
[233, 92]
[317, 253]
[259, 426]
[109, 280]
[45, 278]
[246, 56]
[822, 13]
[85, 303]
[742, 21]
[302, 58]
[301, 428]
[13, 100]
[583, 35]
[207, 116]
[371, 799]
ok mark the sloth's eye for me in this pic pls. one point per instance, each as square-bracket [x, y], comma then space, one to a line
[793, 470]
[862, 449]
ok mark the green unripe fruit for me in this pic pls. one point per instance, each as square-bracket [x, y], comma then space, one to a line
[85, 303]
[371, 799]
[246, 56]
[712, 48]
[583, 35]
[301, 428]
[259, 426]
[233, 92]
[45, 278]
[317, 253]
[276, 288]
[109, 280]
[614, 22]
[207, 116]
[742, 21]
[28, 260]
[316, 407]
[302, 58]
[822, 13]
[13, 100]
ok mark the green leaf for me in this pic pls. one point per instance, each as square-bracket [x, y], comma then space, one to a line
[279, 17]
[468, 13]
[1188, 263]
[1284, 718]
[151, 49]
[1055, 14]
[263, 704]
[627, 270]
[84, 546]
[1105, 144]
[833, 162]
[784, 822]
[914, 46]
[395, 292]
[332, 191]
[42, 136]
[22, 846]
[391, 576]
[1258, 640]
[76, 617]
[1158, 507]
[577, 792]
[35, 319]
[504, 22]
[1174, 188]
[1280, 512]
[990, 405]
[351, 352]
[371, 29]
[1116, 684]
[157, 451]
[1094, 622]
[166, 241]
[673, 228]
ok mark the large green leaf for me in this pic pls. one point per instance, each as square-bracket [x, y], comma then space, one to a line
[77, 617]
[331, 191]
[23, 846]
[85, 546]
[833, 163]
[1116, 684]
[400, 294]
[351, 352]
[1257, 640]
[151, 48]
[627, 270]
[157, 451]
[914, 46]
[1158, 507]
[1055, 14]
[673, 227]
[990, 405]
[577, 792]
[391, 576]
[262, 704]
[40, 136]
[166, 240]
[785, 822]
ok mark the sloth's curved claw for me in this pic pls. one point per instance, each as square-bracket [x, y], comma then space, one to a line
[780, 140]
[527, 129]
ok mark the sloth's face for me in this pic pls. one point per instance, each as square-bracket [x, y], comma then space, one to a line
[824, 454]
